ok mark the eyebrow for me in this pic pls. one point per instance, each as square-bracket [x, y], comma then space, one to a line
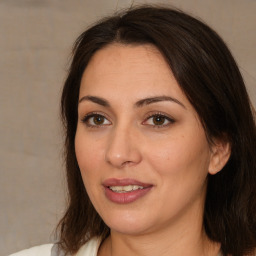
[151, 100]
[95, 99]
[140, 103]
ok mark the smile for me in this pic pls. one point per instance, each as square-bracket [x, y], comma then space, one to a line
[124, 191]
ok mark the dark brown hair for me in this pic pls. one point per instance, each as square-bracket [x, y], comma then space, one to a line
[208, 75]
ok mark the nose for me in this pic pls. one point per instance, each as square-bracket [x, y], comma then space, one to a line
[123, 148]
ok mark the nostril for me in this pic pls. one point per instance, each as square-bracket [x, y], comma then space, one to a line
[120, 153]
[127, 162]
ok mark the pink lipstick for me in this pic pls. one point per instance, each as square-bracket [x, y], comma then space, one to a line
[123, 191]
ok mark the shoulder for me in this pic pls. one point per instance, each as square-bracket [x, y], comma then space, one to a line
[90, 248]
[42, 250]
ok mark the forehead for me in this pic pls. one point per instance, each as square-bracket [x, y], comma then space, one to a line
[138, 58]
[129, 70]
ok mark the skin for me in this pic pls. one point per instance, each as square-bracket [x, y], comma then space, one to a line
[175, 157]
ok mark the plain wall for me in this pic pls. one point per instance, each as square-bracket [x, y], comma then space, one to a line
[36, 37]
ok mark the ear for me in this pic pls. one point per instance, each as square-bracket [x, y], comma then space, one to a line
[220, 153]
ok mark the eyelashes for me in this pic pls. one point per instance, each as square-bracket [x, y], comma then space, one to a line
[155, 120]
[95, 120]
[158, 120]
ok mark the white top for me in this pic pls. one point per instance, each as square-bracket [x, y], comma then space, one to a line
[88, 249]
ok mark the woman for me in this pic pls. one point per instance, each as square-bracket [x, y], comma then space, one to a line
[160, 142]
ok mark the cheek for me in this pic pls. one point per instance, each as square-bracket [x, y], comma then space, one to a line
[180, 167]
[89, 155]
[181, 156]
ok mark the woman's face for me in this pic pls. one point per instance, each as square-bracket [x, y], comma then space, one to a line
[140, 146]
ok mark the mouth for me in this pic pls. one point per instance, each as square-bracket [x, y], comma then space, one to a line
[123, 191]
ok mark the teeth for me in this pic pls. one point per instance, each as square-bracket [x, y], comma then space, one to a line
[123, 189]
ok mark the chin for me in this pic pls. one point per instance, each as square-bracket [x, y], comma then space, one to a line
[128, 223]
[128, 229]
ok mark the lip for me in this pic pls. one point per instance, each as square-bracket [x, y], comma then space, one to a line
[124, 182]
[127, 197]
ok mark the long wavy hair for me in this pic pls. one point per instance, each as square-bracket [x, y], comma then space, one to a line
[208, 75]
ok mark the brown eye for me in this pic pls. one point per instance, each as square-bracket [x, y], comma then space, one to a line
[158, 120]
[96, 120]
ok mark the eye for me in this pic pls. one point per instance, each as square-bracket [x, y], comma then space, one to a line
[158, 120]
[94, 120]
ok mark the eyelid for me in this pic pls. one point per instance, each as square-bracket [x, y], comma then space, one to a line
[150, 115]
[154, 114]
[89, 115]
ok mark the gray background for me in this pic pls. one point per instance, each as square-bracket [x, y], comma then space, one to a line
[35, 42]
